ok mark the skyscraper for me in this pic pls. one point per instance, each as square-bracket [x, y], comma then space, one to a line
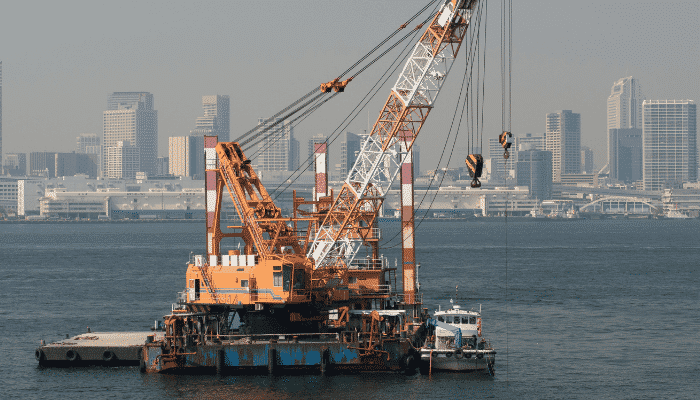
[89, 143]
[216, 119]
[534, 170]
[625, 154]
[186, 156]
[625, 130]
[669, 143]
[587, 166]
[122, 161]
[279, 151]
[502, 168]
[563, 139]
[130, 118]
[625, 104]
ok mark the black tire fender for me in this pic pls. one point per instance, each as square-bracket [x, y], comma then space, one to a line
[109, 356]
[72, 355]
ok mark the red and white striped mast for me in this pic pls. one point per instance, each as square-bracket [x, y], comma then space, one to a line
[408, 253]
[321, 171]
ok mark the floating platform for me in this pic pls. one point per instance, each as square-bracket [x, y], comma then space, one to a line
[233, 354]
[279, 354]
[96, 348]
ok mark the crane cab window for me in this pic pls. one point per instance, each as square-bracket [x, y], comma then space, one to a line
[244, 283]
[277, 279]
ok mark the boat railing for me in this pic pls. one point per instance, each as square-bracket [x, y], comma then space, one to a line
[274, 337]
[366, 264]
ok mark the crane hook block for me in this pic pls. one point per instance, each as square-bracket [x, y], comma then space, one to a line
[506, 140]
[475, 165]
[335, 84]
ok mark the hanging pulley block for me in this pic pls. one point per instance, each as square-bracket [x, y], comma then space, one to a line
[506, 140]
[475, 165]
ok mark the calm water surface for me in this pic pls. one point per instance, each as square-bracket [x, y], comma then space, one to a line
[576, 309]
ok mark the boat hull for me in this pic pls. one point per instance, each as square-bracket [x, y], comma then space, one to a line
[466, 361]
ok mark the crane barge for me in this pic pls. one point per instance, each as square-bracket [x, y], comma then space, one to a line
[297, 293]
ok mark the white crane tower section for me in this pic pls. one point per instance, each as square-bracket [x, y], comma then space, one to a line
[416, 90]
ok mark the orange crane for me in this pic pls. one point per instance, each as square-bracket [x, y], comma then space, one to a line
[292, 273]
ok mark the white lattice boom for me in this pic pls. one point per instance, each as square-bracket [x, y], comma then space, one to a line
[412, 97]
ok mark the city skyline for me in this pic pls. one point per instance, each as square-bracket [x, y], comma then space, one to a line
[567, 64]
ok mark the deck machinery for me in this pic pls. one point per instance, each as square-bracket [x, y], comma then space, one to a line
[310, 290]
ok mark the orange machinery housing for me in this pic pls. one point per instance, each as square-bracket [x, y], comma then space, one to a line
[271, 271]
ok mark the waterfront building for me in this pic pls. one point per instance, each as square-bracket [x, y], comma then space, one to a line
[69, 164]
[216, 120]
[186, 156]
[501, 168]
[162, 166]
[534, 170]
[123, 161]
[42, 163]
[669, 140]
[625, 130]
[625, 154]
[15, 164]
[563, 139]
[130, 118]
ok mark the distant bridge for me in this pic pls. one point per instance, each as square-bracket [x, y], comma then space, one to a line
[621, 205]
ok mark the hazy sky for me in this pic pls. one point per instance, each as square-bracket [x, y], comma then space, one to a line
[61, 60]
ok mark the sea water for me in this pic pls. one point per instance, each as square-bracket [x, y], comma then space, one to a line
[576, 309]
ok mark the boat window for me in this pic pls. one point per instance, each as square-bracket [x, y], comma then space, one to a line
[472, 320]
[441, 319]
[456, 319]
[465, 320]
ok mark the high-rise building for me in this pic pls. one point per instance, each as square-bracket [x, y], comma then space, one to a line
[625, 154]
[15, 164]
[69, 164]
[89, 143]
[42, 163]
[349, 149]
[186, 156]
[587, 166]
[122, 161]
[162, 166]
[502, 168]
[216, 119]
[625, 104]
[563, 139]
[279, 151]
[669, 140]
[130, 118]
[625, 113]
[534, 170]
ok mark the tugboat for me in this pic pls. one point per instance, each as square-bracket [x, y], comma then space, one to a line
[454, 343]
